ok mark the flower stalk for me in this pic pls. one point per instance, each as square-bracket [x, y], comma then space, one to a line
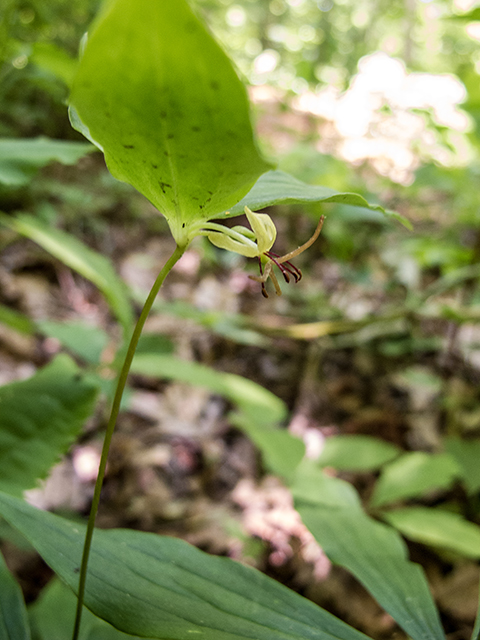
[121, 382]
[257, 243]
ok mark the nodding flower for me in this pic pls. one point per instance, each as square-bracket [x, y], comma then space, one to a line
[257, 243]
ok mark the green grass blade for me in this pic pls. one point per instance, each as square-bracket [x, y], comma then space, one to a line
[20, 159]
[76, 255]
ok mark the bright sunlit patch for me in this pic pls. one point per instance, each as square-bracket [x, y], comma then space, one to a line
[266, 62]
[85, 463]
[236, 16]
[307, 33]
[473, 30]
[386, 114]
[325, 5]
[20, 62]
[277, 32]
[464, 5]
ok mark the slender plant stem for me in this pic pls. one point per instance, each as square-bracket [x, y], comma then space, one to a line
[122, 380]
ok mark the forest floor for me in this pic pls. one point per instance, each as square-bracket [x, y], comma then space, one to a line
[177, 465]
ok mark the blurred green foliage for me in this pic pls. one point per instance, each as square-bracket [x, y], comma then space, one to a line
[32, 100]
[321, 41]
[313, 43]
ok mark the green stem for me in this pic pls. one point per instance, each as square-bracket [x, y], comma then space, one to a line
[122, 380]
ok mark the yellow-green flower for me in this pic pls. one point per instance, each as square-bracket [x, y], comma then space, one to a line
[257, 243]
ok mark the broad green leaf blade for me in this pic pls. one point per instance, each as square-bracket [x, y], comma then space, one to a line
[260, 411]
[413, 474]
[39, 419]
[437, 528]
[13, 614]
[375, 555]
[162, 100]
[163, 588]
[20, 159]
[52, 614]
[373, 552]
[87, 262]
[82, 339]
[356, 453]
[278, 187]
[467, 455]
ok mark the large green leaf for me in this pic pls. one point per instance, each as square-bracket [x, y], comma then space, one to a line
[260, 410]
[13, 615]
[159, 96]
[80, 258]
[437, 528]
[21, 159]
[278, 187]
[39, 419]
[373, 552]
[413, 474]
[160, 587]
[53, 613]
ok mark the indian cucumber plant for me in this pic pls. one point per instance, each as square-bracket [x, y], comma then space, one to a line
[159, 97]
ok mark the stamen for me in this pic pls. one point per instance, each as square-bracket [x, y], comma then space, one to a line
[295, 271]
[286, 267]
[264, 289]
[285, 271]
[290, 268]
[278, 291]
